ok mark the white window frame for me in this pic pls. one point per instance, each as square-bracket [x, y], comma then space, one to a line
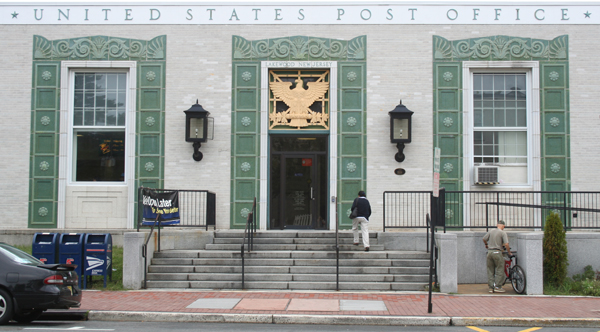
[531, 69]
[66, 141]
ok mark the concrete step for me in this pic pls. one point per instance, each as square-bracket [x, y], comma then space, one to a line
[396, 255]
[289, 234]
[302, 240]
[362, 262]
[285, 277]
[277, 247]
[288, 285]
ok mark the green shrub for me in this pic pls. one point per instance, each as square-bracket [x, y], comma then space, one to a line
[555, 251]
[588, 273]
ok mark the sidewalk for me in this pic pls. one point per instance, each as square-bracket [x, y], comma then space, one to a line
[475, 307]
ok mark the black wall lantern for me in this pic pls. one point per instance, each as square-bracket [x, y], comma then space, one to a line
[400, 128]
[196, 128]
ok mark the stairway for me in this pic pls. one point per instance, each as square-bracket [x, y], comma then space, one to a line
[290, 260]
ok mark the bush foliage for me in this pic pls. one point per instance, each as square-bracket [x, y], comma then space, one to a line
[586, 283]
[555, 251]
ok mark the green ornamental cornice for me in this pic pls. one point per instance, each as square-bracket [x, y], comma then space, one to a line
[299, 48]
[99, 48]
[500, 48]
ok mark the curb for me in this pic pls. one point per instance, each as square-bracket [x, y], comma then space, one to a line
[137, 316]
[525, 321]
[181, 317]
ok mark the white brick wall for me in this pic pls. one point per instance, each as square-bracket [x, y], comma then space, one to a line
[399, 66]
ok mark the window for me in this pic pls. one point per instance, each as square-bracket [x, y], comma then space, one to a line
[500, 124]
[99, 113]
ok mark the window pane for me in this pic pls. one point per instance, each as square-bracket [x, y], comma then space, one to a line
[78, 82]
[90, 82]
[522, 118]
[477, 82]
[521, 86]
[498, 82]
[121, 117]
[488, 117]
[477, 118]
[488, 82]
[111, 82]
[78, 117]
[88, 118]
[499, 118]
[100, 156]
[511, 118]
[111, 117]
[111, 99]
[100, 82]
[100, 118]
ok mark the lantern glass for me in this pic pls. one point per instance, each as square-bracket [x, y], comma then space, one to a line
[196, 128]
[401, 129]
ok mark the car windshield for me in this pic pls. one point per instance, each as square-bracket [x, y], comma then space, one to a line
[18, 256]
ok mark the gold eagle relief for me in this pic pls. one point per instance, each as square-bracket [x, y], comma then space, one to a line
[299, 100]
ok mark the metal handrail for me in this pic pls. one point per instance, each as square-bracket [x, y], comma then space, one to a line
[432, 261]
[145, 248]
[337, 249]
[249, 232]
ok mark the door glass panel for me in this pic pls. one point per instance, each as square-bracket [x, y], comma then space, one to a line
[298, 202]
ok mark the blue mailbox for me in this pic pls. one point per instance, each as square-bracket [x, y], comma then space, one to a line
[97, 250]
[70, 250]
[45, 247]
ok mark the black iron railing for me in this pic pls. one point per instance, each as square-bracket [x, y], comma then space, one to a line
[481, 209]
[406, 209]
[249, 233]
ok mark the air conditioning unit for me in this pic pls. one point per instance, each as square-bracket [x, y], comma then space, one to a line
[486, 174]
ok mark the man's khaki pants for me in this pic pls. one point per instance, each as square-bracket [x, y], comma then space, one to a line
[495, 268]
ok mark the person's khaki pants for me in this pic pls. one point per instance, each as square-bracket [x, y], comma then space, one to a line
[495, 268]
[364, 226]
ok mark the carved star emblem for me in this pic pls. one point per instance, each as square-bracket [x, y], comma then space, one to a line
[15, 14]
[587, 14]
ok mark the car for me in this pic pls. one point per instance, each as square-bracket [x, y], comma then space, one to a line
[28, 287]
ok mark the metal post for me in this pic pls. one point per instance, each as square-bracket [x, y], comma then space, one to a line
[435, 213]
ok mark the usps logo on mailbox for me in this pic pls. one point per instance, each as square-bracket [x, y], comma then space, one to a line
[93, 263]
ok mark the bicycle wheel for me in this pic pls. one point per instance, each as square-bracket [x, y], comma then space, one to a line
[518, 279]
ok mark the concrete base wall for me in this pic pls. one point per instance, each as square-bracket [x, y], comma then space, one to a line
[583, 249]
[410, 241]
[134, 263]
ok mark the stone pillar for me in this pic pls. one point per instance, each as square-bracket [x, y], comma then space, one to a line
[447, 262]
[133, 261]
[530, 257]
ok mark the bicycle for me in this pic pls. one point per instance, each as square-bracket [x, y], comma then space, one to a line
[514, 273]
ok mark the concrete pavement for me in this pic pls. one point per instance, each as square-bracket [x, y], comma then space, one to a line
[472, 306]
